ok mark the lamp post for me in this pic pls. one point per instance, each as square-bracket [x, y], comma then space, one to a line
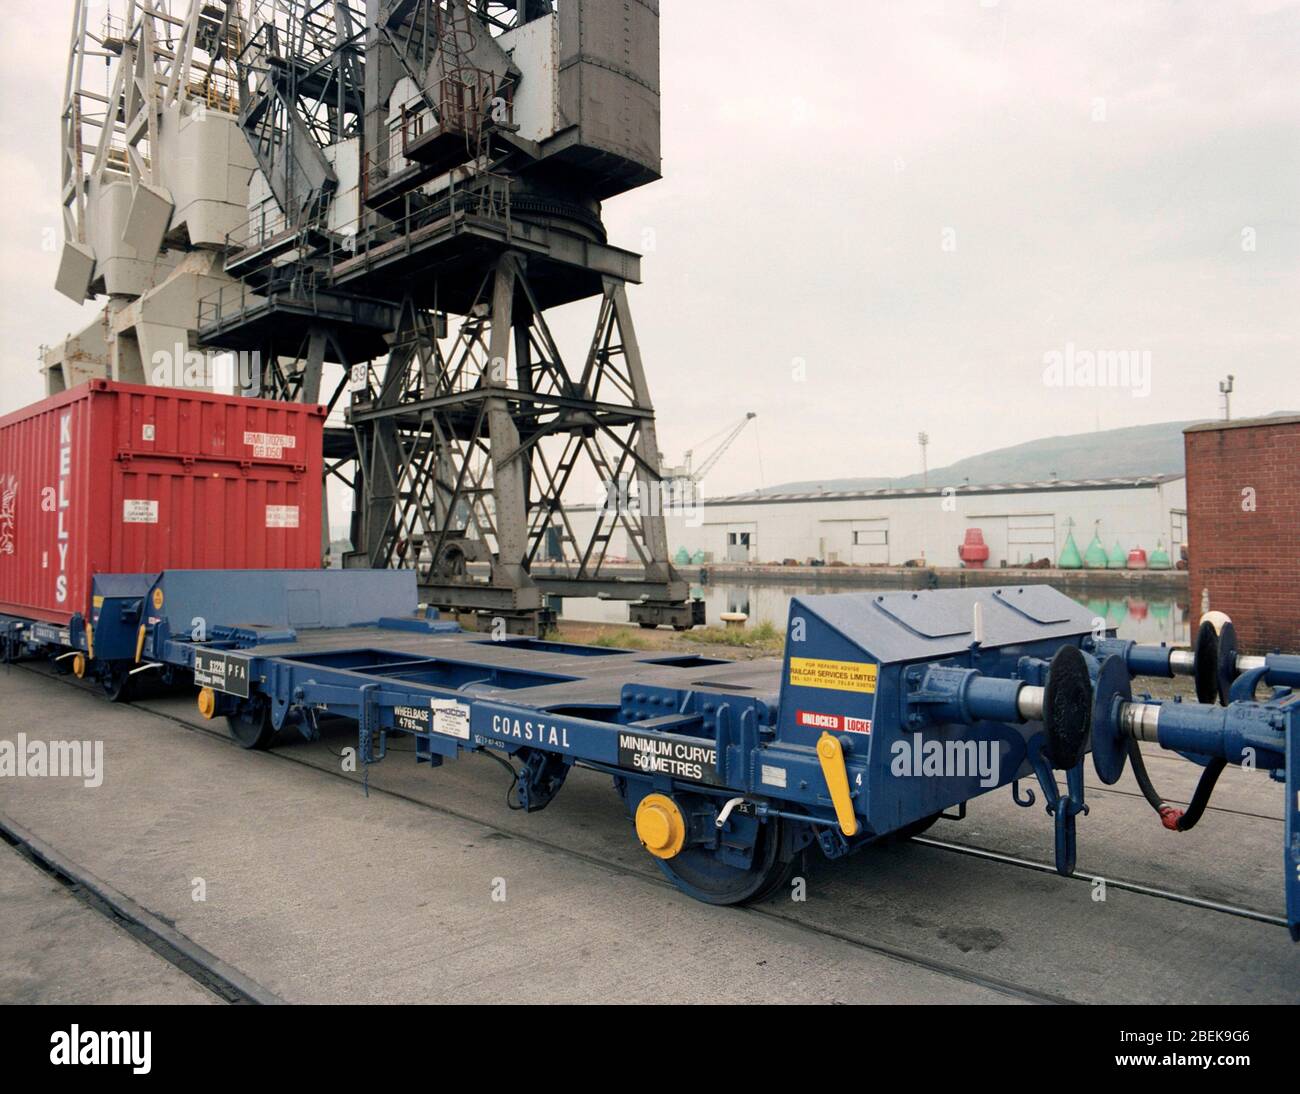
[1225, 389]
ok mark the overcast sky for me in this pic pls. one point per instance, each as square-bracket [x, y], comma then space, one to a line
[882, 218]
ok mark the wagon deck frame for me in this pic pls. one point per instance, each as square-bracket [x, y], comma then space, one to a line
[731, 770]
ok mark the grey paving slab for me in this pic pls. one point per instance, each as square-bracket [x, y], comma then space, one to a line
[55, 949]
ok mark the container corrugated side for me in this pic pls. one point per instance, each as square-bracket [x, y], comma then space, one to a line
[120, 478]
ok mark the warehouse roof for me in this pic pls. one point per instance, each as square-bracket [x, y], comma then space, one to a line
[1130, 482]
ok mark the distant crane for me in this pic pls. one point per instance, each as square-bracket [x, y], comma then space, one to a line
[683, 483]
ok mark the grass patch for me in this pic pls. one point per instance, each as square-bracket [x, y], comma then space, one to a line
[763, 637]
[618, 639]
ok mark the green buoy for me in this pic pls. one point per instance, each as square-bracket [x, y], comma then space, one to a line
[682, 557]
[1094, 558]
[1070, 559]
[1159, 559]
[1118, 558]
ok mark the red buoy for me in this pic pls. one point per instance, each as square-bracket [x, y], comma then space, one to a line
[974, 552]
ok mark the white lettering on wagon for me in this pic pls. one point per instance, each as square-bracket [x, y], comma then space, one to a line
[525, 729]
[415, 719]
[815, 720]
[696, 761]
[226, 672]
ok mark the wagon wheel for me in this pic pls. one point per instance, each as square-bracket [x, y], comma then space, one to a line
[700, 873]
[116, 682]
[252, 729]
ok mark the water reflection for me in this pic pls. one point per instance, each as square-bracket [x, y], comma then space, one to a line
[1143, 619]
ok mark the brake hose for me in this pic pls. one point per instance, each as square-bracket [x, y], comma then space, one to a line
[1173, 818]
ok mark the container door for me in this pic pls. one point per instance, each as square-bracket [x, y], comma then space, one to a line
[48, 517]
[215, 482]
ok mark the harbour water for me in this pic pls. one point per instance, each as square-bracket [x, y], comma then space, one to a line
[1141, 618]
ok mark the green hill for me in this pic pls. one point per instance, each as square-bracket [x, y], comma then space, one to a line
[1112, 453]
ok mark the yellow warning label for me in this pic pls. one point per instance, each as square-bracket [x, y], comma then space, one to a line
[813, 672]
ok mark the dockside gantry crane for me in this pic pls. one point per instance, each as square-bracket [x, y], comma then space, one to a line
[400, 193]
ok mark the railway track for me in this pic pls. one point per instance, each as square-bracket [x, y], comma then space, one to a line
[1113, 883]
[200, 965]
[769, 911]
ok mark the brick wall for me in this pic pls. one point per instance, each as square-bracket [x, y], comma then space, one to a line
[1249, 559]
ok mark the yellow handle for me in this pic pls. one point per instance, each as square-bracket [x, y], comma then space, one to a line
[139, 644]
[831, 754]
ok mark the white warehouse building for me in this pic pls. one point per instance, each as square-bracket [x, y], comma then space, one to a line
[1020, 522]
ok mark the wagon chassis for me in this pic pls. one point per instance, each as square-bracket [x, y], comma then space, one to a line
[730, 771]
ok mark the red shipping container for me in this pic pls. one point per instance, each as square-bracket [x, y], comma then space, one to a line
[118, 478]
